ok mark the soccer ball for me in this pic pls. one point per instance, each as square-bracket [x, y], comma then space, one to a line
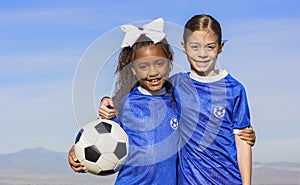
[102, 146]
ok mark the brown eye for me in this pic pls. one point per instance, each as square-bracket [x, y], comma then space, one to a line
[210, 47]
[194, 47]
[160, 63]
[143, 67]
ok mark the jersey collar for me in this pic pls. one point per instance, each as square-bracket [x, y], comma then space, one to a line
[209, 79]
[152, 93]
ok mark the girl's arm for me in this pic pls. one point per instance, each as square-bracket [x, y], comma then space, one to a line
[244, 157]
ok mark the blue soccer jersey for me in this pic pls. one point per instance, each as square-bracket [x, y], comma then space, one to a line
[150, 121]
[210, 109]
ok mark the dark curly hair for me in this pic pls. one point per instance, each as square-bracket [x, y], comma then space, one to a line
[126, 80]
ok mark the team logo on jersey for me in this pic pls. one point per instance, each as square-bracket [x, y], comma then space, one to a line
[219, 111]
[174, 123]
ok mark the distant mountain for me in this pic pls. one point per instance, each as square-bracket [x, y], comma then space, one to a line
[34, 160]
[279, 173]
[43, 167]
[277, 164]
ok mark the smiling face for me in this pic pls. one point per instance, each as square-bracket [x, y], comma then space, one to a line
[151, 67]
[202, 49]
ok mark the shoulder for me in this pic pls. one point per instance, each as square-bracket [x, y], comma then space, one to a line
[235, 85]
[233, 81]
[178, 77]
[130, 95]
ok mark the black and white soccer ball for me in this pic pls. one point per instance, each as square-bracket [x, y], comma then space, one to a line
[102, 146]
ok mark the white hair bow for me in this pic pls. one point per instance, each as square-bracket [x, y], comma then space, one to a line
[153, 30]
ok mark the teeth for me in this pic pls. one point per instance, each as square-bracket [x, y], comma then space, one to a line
[154, 80]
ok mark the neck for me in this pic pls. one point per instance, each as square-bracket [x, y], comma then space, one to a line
[145, 91]
[208, 79]
[210, 73]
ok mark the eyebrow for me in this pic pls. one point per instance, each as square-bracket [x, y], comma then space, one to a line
[141, 61]
[198, 43]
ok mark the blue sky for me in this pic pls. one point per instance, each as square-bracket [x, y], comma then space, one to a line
[42, 43]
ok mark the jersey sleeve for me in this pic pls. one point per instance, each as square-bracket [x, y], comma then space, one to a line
[115, 119]
[241, 113]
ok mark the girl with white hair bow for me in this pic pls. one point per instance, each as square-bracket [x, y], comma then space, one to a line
[147, 110]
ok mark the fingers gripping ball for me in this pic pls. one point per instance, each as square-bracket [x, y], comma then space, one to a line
[102, 146]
